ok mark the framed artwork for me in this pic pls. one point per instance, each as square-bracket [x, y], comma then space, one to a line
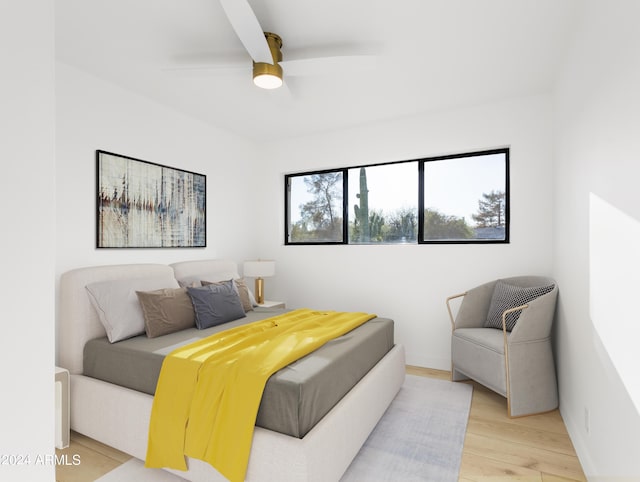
[141, 204]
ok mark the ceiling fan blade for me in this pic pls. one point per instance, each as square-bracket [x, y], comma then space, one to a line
[329, 65]
[282, 95]
[208, 70]
[244, 22]
[206, 65]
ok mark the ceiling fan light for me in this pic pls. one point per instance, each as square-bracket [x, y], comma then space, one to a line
[267, 81]
[267, 76]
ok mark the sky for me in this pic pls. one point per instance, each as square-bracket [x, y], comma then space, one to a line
[391, 187]
[452, 186]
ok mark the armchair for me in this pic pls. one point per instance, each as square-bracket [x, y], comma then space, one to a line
[514, 357]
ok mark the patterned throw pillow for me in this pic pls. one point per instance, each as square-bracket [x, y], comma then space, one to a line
[505, 297]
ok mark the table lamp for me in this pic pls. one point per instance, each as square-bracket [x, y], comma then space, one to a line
[259, 269]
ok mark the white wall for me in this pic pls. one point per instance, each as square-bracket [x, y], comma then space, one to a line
[94, 114]
[26, 244]
[597, 154]
[409, 283]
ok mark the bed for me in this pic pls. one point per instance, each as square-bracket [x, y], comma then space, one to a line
[119, 416]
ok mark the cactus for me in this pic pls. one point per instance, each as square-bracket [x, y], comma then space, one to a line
[362, 211]
[376, 221]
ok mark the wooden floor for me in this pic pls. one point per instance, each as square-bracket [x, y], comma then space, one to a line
[532, 449]
[496, 448]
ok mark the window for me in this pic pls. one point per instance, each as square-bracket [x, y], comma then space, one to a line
[383, 203]
[315, 208]
[464, 198]
[449, 199]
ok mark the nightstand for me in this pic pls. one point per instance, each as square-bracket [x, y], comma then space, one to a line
[62, 408]
[272, 304]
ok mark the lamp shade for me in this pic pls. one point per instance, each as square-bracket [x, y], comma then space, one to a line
[259, 269]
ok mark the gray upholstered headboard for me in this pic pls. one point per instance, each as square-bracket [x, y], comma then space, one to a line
[77, 319]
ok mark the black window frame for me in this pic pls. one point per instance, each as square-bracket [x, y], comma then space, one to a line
[345, 221]
[420, 172]
[507, 208]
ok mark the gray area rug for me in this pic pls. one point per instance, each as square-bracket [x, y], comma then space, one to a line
[419, 438]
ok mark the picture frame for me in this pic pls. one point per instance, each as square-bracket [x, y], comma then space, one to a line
[142, 204]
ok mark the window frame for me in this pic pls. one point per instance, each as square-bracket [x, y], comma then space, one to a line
[287, 214]
[507, 197]
[379, 164]
[420, 209]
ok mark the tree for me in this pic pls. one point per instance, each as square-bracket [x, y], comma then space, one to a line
[441, 226]
[300, 232]
[322, 214]
[402, 226]
[490, 210]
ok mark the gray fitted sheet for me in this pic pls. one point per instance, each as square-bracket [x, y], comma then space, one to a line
[294, 399]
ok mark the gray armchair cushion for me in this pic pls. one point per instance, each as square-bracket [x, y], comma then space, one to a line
[479, 354]
[507, 296]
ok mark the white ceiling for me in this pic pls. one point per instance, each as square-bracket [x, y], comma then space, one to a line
[432, 54]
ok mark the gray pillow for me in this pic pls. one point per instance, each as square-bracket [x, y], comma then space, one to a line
[216, 304]
[117, 304]
[507, 296]
[241, 288]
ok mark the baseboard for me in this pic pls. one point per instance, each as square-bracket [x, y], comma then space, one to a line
[574, 429]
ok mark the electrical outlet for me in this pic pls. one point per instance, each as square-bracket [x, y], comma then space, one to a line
[587, 426]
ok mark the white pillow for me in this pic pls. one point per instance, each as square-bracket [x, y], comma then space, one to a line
[118, 307]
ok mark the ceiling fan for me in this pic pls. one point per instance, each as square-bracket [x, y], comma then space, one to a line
[264, 48]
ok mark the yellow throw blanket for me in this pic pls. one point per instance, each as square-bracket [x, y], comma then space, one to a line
[209, 391]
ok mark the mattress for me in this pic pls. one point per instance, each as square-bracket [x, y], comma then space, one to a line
[294, 399]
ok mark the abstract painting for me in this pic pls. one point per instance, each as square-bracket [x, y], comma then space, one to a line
[141, 204]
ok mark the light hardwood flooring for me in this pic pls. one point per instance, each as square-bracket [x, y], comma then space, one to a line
[496, 448]
[532, 449]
